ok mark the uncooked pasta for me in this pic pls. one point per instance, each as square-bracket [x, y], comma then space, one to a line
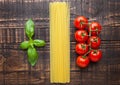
[59, 42]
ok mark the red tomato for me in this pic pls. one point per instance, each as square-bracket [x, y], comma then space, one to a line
[81, 48]
[95, 28]
[80, 22]
[81, 36]
[95, 55]
[94, 42]
[82, 61]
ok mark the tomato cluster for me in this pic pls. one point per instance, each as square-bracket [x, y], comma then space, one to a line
[88, 41]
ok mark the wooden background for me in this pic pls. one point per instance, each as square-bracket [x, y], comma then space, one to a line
[14, 68]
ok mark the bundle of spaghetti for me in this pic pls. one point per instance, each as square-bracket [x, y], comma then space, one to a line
[59, 42]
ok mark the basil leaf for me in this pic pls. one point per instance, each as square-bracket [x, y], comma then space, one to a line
[29, 28]
[24, 45]
[32, 56]
[39, 43]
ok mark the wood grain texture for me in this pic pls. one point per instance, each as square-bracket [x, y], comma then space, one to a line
[14, 68]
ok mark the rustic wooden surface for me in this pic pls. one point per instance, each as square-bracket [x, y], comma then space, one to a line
[14, 68]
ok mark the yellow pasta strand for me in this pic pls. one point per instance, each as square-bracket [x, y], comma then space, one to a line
[59, 42]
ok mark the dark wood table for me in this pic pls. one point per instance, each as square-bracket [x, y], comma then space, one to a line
[14, 68]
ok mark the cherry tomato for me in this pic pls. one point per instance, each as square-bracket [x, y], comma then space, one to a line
[80, 22]
[81, 36]
[81, 48]
[94, 42]
[82, 61]
[95, 55]
[95, 28]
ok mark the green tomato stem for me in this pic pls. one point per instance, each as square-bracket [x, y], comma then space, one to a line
[84, 56]
[89, 45]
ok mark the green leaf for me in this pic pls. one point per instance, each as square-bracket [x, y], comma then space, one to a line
[24, 45]
[39, 43]
[29, 28]
[32, 56]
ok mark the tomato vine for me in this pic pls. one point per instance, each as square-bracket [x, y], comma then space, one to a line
[87, 35]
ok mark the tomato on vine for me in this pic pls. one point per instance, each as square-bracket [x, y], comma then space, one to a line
[94, 42]
[81, 48]
[81, 36]
[82, 61]
[88, 41]
[95, 55]
[81, 22]
[95, 28]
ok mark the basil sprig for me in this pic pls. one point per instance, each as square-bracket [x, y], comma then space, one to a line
[31, 44]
